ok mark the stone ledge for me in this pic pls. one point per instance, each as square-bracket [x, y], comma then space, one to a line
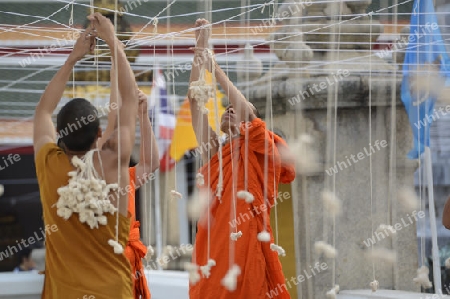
[353, 91]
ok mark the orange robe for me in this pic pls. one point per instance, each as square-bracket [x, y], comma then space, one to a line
[260, 267]
[78, 260]
[136, 250]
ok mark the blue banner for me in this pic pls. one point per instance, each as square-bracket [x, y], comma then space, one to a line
[426, 57]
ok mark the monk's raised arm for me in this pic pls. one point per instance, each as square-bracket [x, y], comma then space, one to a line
[203, 132]
[127, 87]
[43, 128]
[114, 105]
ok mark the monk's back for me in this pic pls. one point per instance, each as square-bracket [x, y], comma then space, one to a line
[78, 260]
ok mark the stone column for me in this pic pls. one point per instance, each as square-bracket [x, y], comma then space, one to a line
[339, 98]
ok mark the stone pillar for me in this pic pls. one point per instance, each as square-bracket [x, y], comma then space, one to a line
[339, 99]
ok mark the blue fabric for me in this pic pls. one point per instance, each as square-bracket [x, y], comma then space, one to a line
[425, 47]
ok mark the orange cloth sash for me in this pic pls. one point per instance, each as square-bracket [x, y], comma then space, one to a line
[260, 267]
[136, 250]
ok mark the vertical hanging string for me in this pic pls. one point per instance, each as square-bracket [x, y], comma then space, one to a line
[269, 104]
[151, 190]
[233, 162]
[119, 149]
[335, 137]
[392, 209]
[74, 41]
[370, 138]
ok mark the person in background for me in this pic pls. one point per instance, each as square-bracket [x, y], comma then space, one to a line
[26, 262]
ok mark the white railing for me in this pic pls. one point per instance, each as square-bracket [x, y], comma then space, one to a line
[162, 284]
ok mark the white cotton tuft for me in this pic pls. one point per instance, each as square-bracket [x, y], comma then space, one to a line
[323, 248]
[2, 189]
[235, 236]
[150, 253]
[206, 269]
[198, 205]
[374, 285]
[192, 269]
[230, 279]
[331, 294]
[408, 199]
[118, 249]
[306, 158]
[332, 203]
[447, 263]
[175, 195]
[422, 277]
[278, 249]
[382, 254]
[264, 236]
[387, 229]
[200, 179]
[245, 195]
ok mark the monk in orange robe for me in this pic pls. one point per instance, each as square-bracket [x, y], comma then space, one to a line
[81, 261]
[251, 161]
[135, 250]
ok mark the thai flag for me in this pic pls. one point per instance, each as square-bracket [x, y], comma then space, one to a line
[426, 49]
[163, 119]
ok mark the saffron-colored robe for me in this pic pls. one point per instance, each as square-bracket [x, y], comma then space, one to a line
[78, 260]
[136, 250]
[260, 267]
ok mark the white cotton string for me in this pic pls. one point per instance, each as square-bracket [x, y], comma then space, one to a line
[119, 149]
[275, 187]
[370, 141]
[95, 49]
[153, 21]
[234, 170]
[333, 275]
[74, 40]
[392, 208]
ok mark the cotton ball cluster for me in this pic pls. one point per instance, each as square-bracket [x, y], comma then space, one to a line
[206, 269]
[332, 203]
[374, 285]
[278, 249]
[306, 158]
[407, 197]
[201, 92]
[331, 294]
[192, 269]
[382, 254]
[245, 195]
[264, 236]
[230, 279]
[428, 82]
[200, 179]
[422, 277]
[235, 236]
[150, 253]
[175, 195]
[323, 248]
[2, 189]
[118, 249]
[85, 194]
